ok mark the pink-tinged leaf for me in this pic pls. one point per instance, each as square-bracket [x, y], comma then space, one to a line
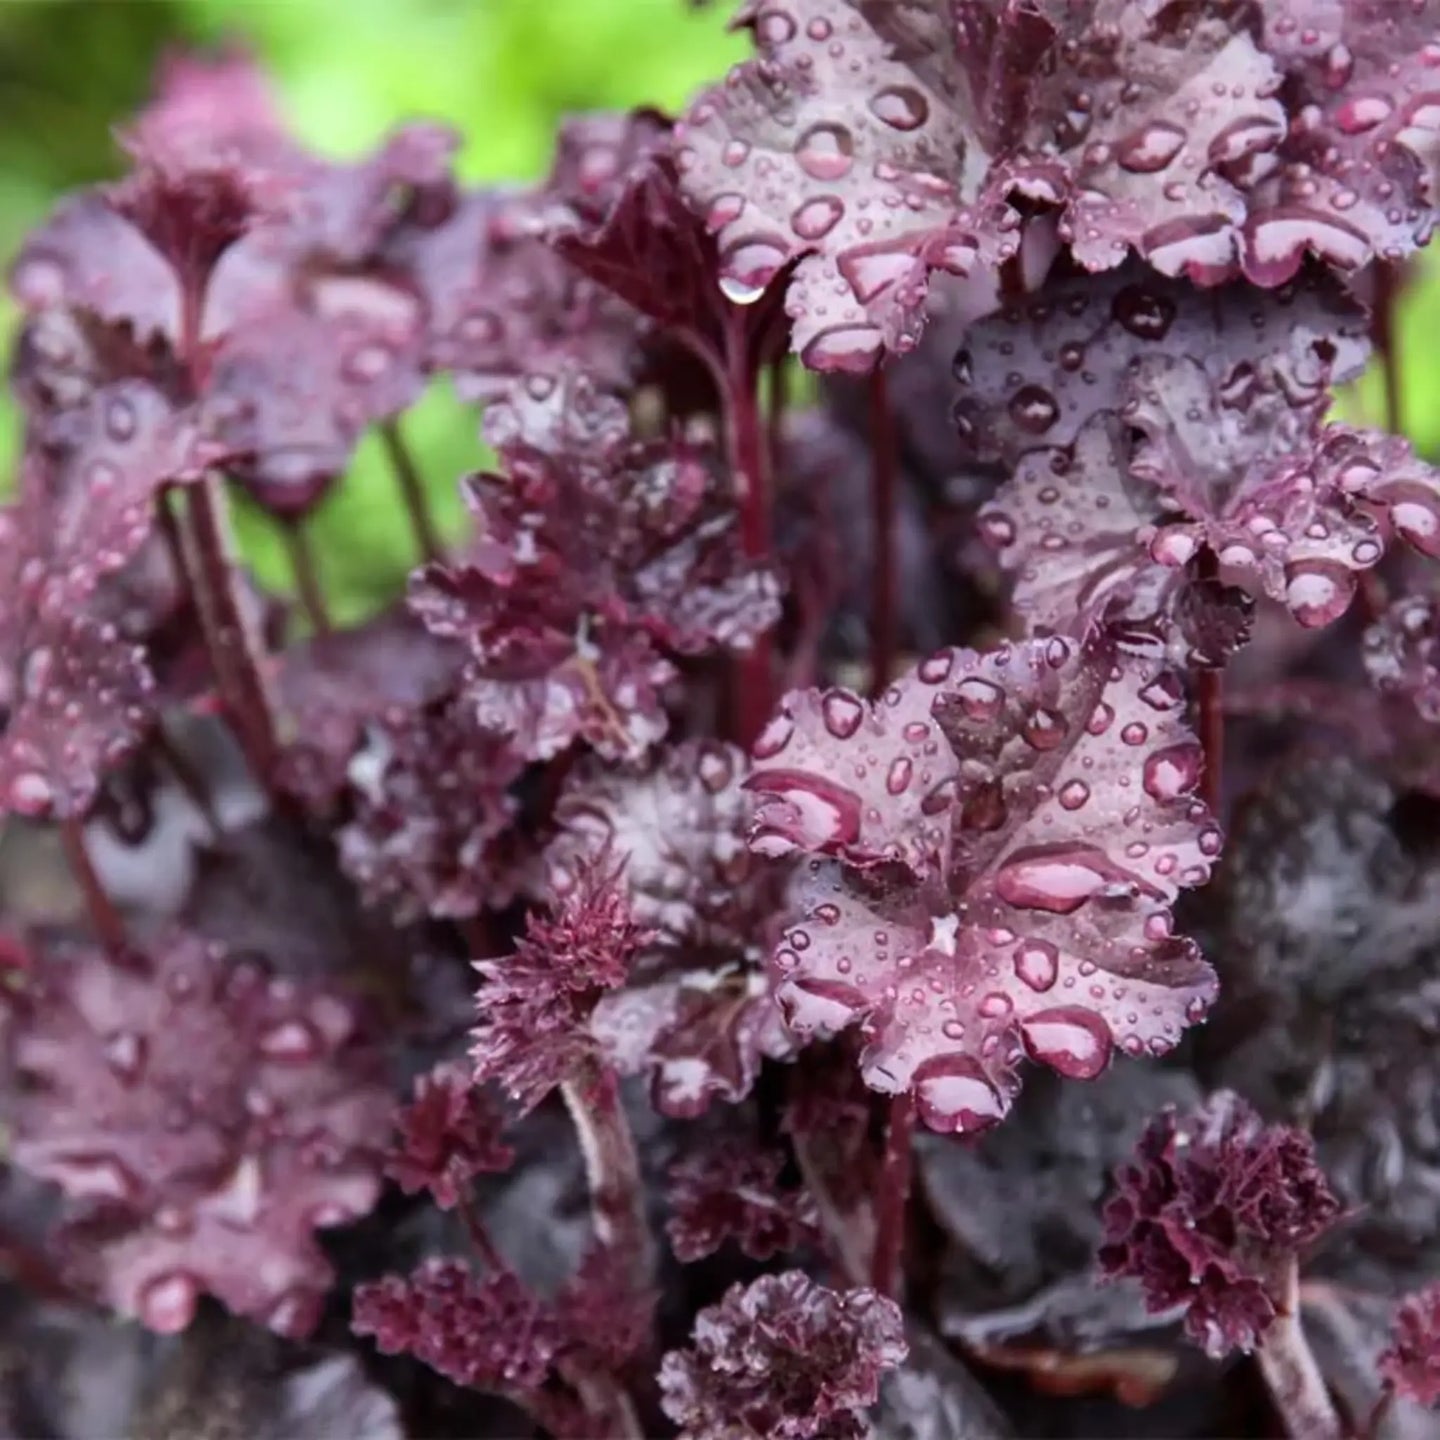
[1208, 1213]
[214, 1115]
[595, 554]
[1411, 1366]
[944, 116]
[732, 1191]
[699, 1034]
[678, 829]
[893, 803]
[783, 1357]
[1035, 917]
[1355, 178]
[1402, 653]
[431, 801]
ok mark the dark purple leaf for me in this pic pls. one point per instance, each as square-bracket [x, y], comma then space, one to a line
[732, 1191]
[1402, 653]
[783, 1357]
[1411, 1365]
[1208, 1213]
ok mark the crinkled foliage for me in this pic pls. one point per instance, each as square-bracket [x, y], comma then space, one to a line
[880, 145]
[997, 845]
[1154, 429]
[596, 557]
[783, 1357]
[207, 1116]
[448, 1134]
[1208, 1213]
[1411, 1366]
[1402, 653]
[732, 1191]
[535, 1006]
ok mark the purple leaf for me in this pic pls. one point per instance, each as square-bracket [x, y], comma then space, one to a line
[732, 1191]
[946, 116]
[216, 1116]
[431, 799]
[783, 1357]
[1207, 1214]
[1014, 895]
[1411, 1366]
[1402, 653]
[1355, 175]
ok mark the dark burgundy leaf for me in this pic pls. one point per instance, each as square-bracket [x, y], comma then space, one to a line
[1412, 1363]
[1402, 653]
[732, 1191]
[783, 1357]
[990, 894]
[1209, 1211]
[449, 1133]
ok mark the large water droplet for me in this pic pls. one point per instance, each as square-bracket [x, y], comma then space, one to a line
[803, 811]
[1061, 878]
[1070, 1040]
[125, 1054]
[774, 27]
[897, 778]
[826, 151]
[1143, 313]
[954, 1095]
[1037, 963]
[1151, 148]
[814, 1006]
[1044, 729]
[1073, 794]
[843, 713]
[167, 1303]
[901, 107]
[978, 700]
[1173, 772]
[1318, 591]
[748, 265]
[1416, 515]
[818, 217]
[293, 1040]
[1362, 113]
[1033, 409]
[849, 348]
[1248, 135]
[773, 738]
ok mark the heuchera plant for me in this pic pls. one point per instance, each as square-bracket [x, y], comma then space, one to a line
[741, 945]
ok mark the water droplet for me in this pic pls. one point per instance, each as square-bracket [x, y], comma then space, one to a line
[954, 1095]
[1173, 547]
[1037, 963]
[1362, 113]
[817, 217]
[826, 151]
[1073, 794]
[1033, 409]
[774, 27]
[842, 712]
[166, 1304]
[802, 811]
[1318, 591]
[773, 738]
[935, 669]
[1173, 771]
[120, 418]
[901, 107]
[1044, 729]
[1246, 136]
[1101, 718]
[290, 1040]
[1135, 733]
[125, 1054]
[1059, 879]
[748, 265]
[1151, 148]
[1143, 313]
[725, 210]
[849, 348]
[813, 1006]
[1069, 1040]
[30, 793]
[997, 529]
[978, 700]
[897, 778]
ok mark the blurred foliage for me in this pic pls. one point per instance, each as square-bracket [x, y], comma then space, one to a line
[502, 72]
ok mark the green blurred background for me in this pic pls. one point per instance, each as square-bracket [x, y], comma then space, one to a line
[503, 72]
